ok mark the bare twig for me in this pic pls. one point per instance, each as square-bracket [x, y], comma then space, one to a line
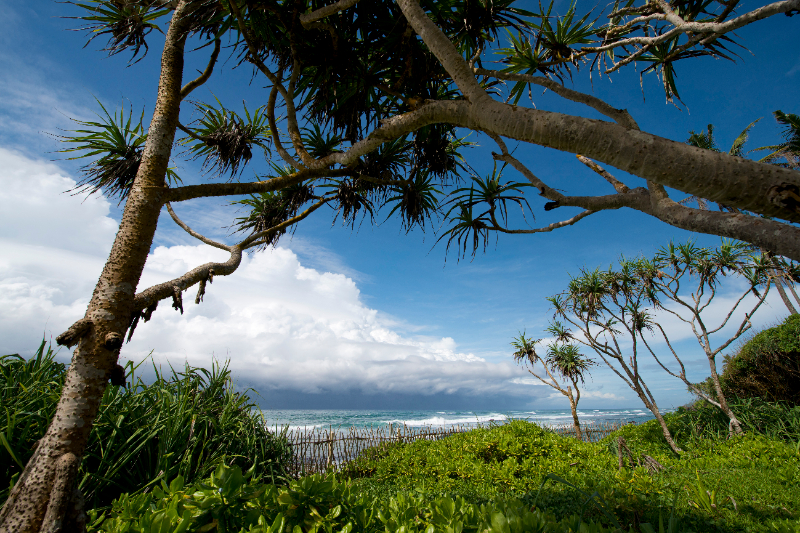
[193, 233]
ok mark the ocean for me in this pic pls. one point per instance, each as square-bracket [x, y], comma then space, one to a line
[310, 420]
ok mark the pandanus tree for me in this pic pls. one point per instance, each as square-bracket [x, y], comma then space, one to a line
[618, 311]
[563, 362]
[362, 108]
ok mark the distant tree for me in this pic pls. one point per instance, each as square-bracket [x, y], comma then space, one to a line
[607, 306]
[563, 360]
[362, 103]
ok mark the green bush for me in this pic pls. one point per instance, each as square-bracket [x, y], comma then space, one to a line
[230, 501]
[759, 473]
[767, 366]
[702, 420]
[185, 424]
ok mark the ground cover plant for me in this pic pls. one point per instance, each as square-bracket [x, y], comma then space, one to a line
[759, 473]
[183, 423]
[230, 501]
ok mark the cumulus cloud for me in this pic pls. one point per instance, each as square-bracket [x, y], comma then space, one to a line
[287, 326]
[281, 324]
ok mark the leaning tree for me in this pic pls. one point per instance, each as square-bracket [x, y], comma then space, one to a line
[363, 105]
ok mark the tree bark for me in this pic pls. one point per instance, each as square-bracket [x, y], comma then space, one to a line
[111, 305]
[734, 426]
[785, 297]
[573, 405]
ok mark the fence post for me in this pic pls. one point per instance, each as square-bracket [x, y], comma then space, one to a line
[330, 449]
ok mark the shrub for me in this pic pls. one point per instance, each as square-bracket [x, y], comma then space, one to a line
[186, 424]
[767, 366]
[228, 501]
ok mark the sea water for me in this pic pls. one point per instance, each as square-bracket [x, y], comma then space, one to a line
[319, 419]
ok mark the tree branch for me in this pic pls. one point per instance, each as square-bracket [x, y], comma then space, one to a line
[443, 49]
[326, 11]
[253, 239]
[618, 185]
[620, 116]
[551, 227]
[168, 289]
[188, 192]
[193, 233]
[200, 80]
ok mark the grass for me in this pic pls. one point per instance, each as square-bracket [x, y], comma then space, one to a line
[184, 423]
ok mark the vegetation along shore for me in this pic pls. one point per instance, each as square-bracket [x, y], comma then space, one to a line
[189, 453]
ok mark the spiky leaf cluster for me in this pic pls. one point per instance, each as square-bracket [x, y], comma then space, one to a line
[126, 23]
[270, 209]
[114, 143]
[224, 140]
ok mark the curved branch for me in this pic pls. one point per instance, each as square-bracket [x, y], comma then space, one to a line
[273, 126]
[620, 116]
[193, 233]
[544, 189]
[200, 80]
[291, 115]
[168, 289]
[253, 239]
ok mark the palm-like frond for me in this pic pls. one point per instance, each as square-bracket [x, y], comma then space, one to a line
[114, 143]
[417, 200]
[268, 209]
[567, 361]
[224, 140]
[525, 349]
[467, 228]
[126, 24]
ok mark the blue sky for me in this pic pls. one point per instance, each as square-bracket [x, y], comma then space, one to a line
[335, 317]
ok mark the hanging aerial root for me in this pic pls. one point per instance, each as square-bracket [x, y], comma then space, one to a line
[144, 314]
[201, 291]
[177, 299]
[77, 330]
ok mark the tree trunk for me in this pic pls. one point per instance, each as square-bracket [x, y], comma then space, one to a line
[575, 421]
[734, 426]
[573, 405]
[99, 336]
[786, 301]
[651, 404]
[665, 430]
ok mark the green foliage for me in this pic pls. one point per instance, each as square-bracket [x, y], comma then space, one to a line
[232, 501]
[269, 209]
[760, 474]
[29, 391]
[127, 24]
[185, 424]
[767, 366]
[224, 140]
[115, 144]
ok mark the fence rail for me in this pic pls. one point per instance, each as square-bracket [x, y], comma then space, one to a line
[322, 450]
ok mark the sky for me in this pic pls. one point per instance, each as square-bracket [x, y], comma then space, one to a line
[371, 318]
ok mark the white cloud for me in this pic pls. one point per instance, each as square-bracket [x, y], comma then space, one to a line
[598, 395]
[283, 326]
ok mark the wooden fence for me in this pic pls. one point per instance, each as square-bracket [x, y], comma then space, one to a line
[322, 450]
